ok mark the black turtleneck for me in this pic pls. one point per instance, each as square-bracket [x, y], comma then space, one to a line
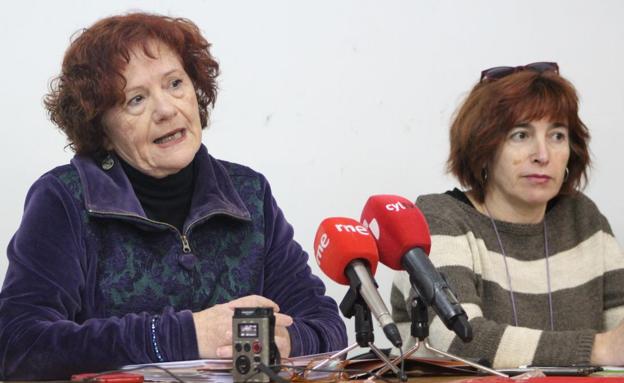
[165, 199]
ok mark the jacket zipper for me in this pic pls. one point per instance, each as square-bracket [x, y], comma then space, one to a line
[186, 246]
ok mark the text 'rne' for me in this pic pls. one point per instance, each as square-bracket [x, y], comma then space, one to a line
[323, 243]
[352, 229]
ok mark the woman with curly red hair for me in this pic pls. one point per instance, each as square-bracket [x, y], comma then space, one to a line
[140, 249]
[533, 260]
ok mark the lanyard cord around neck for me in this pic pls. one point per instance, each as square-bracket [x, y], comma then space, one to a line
[511, 294]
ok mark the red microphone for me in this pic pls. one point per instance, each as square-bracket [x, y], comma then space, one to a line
[404, 242]
[404, 227]
[338, 242]
[347, 253]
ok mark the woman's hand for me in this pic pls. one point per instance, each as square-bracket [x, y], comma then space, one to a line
[213, 327]
[609, 347]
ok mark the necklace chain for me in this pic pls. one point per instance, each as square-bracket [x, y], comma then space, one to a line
[511, 293]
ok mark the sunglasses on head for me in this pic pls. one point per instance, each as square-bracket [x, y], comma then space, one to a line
[502, 71]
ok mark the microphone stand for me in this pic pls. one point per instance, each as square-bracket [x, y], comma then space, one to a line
[420, 331]
[354, 305]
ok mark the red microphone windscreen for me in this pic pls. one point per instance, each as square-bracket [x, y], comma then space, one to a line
[397, 225]
[338, 242]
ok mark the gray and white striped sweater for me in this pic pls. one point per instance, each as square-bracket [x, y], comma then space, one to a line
[586, 272]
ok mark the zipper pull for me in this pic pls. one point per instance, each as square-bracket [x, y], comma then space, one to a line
[185, 244]
[186, 259]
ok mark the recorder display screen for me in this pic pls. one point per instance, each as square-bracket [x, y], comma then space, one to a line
[247, 330]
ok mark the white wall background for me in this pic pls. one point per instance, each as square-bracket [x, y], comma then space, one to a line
[332, 100]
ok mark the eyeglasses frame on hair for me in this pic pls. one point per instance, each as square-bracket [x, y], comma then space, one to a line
[498, 72]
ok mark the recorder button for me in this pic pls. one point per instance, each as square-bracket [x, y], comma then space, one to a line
[243, 364]
[256, 347]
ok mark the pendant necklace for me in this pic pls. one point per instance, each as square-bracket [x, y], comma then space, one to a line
[511, 293]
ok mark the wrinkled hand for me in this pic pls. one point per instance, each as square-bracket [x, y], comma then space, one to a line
[609, 347]
[213, 327]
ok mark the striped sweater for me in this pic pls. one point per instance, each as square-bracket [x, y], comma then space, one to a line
[586, 272]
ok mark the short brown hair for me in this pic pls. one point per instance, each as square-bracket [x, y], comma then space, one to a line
[91, 80]
[492, 109]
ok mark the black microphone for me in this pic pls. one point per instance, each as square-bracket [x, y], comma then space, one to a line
[403, 241]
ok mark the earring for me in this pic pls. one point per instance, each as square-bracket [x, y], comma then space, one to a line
[108, 162]
[566, 174]
[484, 174]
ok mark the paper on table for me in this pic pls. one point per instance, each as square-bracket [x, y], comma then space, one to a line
[613, 368]
[184, 364]
[201, 370]
[207, 370]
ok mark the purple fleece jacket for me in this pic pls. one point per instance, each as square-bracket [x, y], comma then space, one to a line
[88, 272]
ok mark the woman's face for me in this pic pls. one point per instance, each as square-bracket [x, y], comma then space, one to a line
[157, 129]
[529, 166]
